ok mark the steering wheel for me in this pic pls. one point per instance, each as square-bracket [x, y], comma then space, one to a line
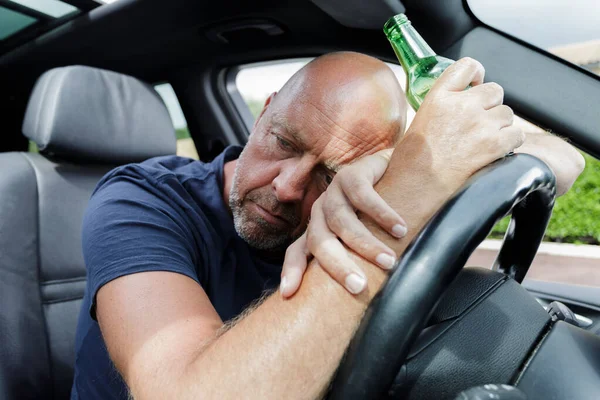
[519, 183]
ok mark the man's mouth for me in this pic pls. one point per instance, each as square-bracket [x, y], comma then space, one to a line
[270, 217]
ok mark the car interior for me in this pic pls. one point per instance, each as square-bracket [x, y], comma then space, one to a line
[79, 85]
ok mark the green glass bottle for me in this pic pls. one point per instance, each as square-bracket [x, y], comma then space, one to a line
[420, 63]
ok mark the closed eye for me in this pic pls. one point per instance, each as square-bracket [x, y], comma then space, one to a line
[284, 144]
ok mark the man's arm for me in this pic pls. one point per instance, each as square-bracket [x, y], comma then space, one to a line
[562, 158]
[163, 334]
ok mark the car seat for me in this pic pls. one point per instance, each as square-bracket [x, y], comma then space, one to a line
[85, 122]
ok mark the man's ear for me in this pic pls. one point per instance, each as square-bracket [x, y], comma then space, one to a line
[267, 102]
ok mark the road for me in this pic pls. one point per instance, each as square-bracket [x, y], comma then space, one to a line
[578, 270]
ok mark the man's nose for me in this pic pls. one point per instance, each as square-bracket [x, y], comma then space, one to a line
[292, 181]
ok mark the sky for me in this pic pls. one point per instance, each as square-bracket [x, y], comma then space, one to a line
[544, 23]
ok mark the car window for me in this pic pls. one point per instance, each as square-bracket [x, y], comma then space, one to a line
[185, 143]
[12, 22]
[52, 8]
[568, 29]
[255, 82]
[20, 17]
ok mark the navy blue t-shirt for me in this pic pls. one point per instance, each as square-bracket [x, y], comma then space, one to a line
[165, 214]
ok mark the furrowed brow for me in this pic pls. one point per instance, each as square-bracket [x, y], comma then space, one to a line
[281, 124]
[284, 126]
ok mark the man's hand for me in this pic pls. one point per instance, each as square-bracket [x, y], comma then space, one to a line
[483, 124]
[334, 216]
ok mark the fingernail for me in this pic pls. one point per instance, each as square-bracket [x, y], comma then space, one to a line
[355, 283]
[385, 260]
[283, 285]
[399, 230]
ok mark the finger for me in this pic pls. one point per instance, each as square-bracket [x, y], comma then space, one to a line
[346, 225]
[372, 167]
[332, 256]
[364, 197]
[510, 138]
[294, 266]
[490, 94]
[503, 115]
[459, 75]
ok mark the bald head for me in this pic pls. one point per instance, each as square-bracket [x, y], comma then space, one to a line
[358, 92]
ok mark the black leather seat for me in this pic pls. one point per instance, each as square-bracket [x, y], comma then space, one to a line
[85, 121]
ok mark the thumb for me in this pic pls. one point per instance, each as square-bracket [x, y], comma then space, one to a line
[459, 75]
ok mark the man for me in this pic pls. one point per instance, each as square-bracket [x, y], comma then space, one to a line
[166, 267]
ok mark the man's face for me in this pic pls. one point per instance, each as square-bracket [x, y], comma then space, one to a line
[291, 157]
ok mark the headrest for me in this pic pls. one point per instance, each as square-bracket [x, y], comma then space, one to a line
[96, 116]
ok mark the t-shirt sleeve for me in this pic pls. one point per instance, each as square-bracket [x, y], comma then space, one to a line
[131, 226]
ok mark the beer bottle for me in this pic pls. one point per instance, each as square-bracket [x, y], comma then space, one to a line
[420, 63]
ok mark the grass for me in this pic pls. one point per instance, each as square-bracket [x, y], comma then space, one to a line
[182, 133]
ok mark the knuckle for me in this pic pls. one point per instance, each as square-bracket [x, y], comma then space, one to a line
[357, 196]
[353, 235]
[494, 91]
[312, 242]
[506, 109]
[354, 182]
[385, 215]
[336, 223]
[360, 193]
[468, 61]
[513, 138]
[520, 137]
[472, 63]
[335, 212]
[328, 206]
[365, 247]
[343, 176]
[495, 88]
[508, 114]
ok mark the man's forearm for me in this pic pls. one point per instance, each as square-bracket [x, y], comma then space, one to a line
[291, 348]
[564, 160]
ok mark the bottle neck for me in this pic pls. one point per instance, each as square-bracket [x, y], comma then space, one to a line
[409, 46]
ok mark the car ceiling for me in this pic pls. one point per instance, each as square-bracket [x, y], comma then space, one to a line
[145, 37]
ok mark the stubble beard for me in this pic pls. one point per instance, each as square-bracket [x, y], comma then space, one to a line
[254, 230]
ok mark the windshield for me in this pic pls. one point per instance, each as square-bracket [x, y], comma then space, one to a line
[568, 29]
